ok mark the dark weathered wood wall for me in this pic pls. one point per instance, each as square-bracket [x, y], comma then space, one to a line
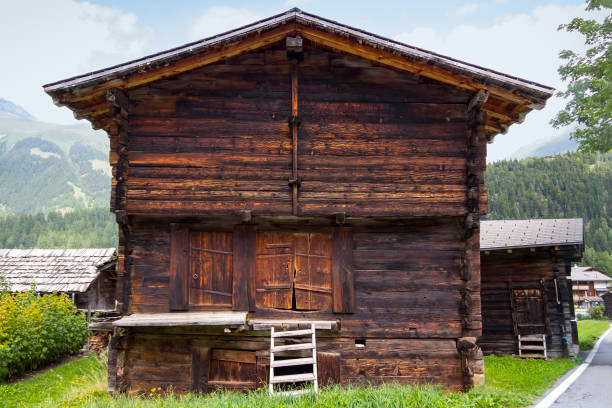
[210, 146]
[101, 293]
[372, 141]
[524, 269]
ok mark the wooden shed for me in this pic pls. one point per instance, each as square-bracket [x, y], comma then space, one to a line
[86, 274]
[526, 290]
[291, 172]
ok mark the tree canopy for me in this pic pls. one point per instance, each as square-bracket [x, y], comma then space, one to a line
[589, 78]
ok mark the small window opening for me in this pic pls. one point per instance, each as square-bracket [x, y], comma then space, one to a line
[360, 343]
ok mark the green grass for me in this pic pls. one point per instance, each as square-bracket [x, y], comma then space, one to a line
[589, 331]
[82, 383]
[58, 386]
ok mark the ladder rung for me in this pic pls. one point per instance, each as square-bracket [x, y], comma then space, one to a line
[301, 346]
[531, 355]
[529, 347]
[292, 362]
[293, 393]
[277, 379]
[293, 333]
[531, 337]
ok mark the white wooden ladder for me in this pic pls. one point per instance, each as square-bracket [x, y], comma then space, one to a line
[532, 346]
[293, 378]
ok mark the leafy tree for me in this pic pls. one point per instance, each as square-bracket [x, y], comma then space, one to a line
[590, 82]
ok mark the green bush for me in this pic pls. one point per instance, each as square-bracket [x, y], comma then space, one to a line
[596, 313]
[37, 329]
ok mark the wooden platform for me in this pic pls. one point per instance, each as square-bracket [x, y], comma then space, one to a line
[183, 319]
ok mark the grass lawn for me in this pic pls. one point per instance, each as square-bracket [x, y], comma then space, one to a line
[589, 331]
[82, 383]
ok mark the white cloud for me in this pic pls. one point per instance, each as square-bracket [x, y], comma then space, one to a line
[524, 45]
[218, 19]
[42, 42]
[467, 8]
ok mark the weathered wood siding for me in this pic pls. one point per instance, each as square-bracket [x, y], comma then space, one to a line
[372, 141]
[399, 156]
[407, 308]
[524, 269]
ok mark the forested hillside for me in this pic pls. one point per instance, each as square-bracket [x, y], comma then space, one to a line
[93, 228]
[48, 167]
[573, 185]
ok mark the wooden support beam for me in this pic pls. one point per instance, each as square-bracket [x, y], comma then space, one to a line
[478, 100]
[294, 182]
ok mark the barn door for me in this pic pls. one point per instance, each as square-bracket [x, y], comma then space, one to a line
[313, 264]
[210, 267]
[294, 271]
[529, 311]
[274, 270]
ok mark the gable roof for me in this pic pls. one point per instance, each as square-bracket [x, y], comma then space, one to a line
[587, 273]
[510, 97]
[506, 234]
[53, 270]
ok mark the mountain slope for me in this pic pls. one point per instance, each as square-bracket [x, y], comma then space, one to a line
[46, 167]
[10, 108]
[548, 147]
[563, 186]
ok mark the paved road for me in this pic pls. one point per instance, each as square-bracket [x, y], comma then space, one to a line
[593, 389]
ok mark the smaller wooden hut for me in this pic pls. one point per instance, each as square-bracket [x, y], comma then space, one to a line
[87, 274]
[526, 286]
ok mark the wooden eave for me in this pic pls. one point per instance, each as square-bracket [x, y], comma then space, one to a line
[510, 98]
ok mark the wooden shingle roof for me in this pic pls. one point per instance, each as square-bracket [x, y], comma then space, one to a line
[504, 234]
[53, 270]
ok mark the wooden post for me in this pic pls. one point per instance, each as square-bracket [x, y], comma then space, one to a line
[116, 361]
[470, 307]
[294, 182]
[118, 132]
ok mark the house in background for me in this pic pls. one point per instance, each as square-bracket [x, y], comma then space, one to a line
[589, 285]
[297, 172]
[87, 275]
[526, 289]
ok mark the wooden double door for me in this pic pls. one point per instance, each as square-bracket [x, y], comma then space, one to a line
[529, 311]
[293, 270]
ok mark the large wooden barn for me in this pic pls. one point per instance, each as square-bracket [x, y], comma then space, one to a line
[526, 292]
[292, 171]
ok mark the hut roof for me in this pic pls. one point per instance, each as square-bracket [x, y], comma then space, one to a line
[588, 274]
[510, 97]
[53, 270]
[506, 234]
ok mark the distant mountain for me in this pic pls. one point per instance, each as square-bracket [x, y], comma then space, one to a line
[48, 167]
[15, 110]
[548, 147]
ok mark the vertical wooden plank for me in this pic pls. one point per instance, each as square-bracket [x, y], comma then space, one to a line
[200, 368]
[179, 267]
[294, 138]
[342, 270]
[313, 281]
[243, 291]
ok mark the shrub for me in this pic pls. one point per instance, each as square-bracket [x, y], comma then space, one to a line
[596, 312]
[37, 329]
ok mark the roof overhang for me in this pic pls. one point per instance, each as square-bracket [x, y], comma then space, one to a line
[510, 98]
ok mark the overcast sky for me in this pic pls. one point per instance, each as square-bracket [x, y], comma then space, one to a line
[48, 40]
